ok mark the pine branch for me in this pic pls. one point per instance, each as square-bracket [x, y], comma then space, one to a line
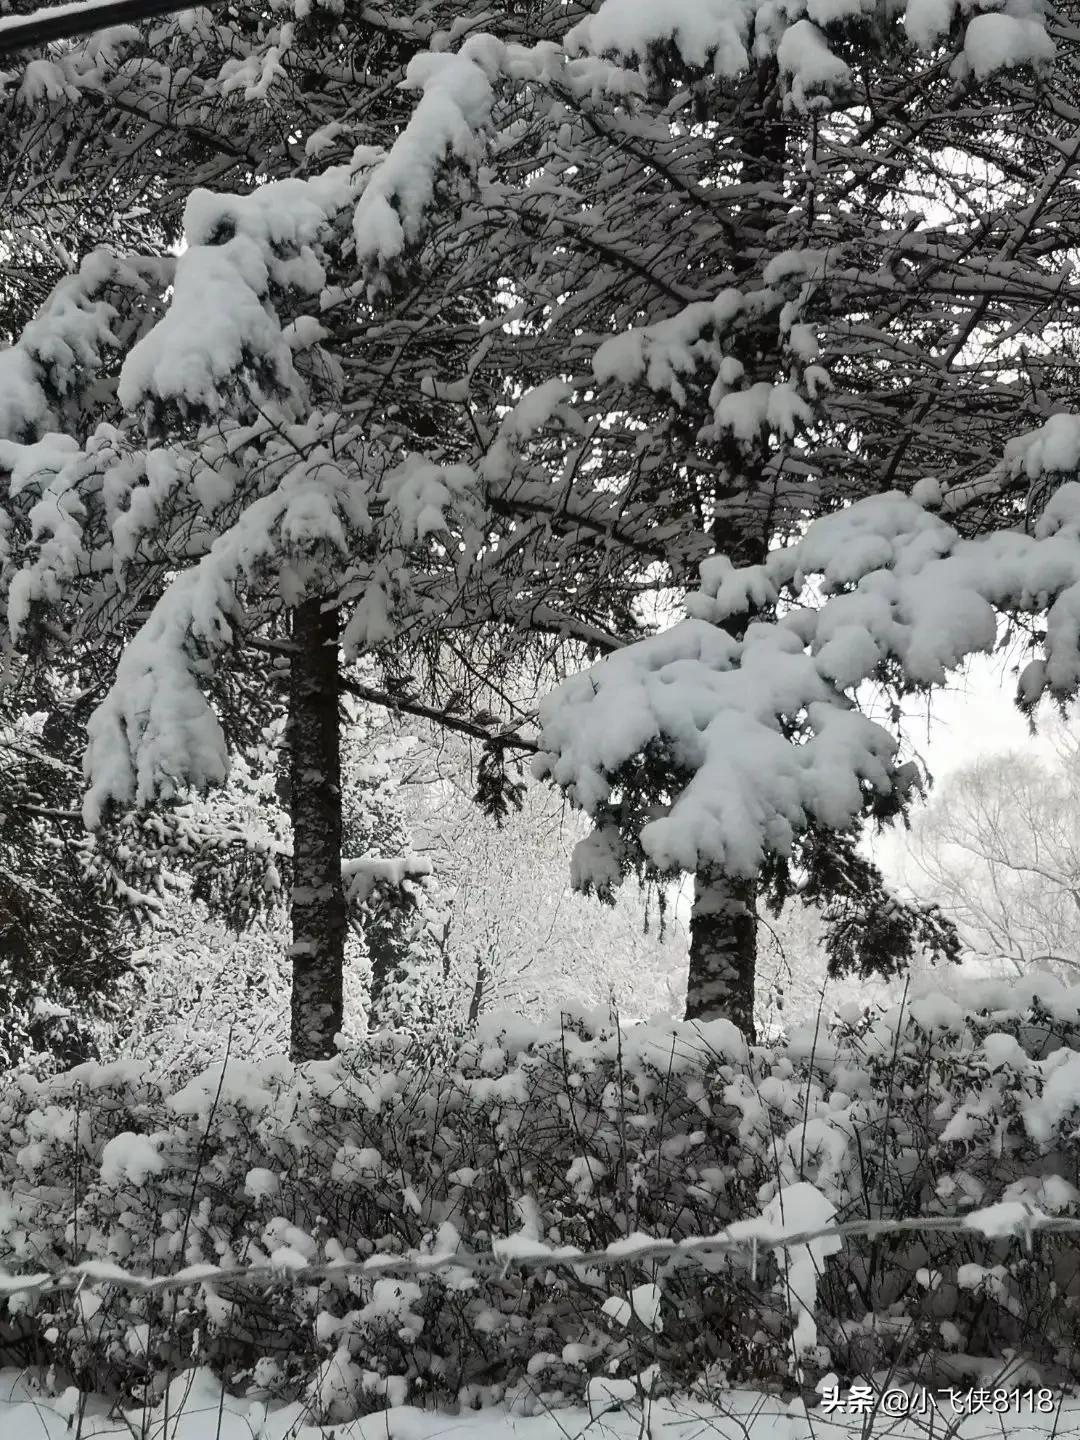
[504, 740]
[475, 729]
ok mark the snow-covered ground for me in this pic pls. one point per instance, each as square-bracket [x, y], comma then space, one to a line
[197, 1410]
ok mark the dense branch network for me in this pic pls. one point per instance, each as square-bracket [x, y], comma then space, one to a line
[488, 335]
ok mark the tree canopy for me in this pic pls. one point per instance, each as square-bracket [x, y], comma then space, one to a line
[467, 344]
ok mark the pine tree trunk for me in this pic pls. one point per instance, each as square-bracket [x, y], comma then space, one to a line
[723, 950]
[318, 900]
[723, 921]
[476, 999]
[385, 960]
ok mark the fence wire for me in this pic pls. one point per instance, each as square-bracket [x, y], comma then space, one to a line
[517, 1252]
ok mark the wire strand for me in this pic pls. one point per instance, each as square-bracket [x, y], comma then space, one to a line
[515, 1253]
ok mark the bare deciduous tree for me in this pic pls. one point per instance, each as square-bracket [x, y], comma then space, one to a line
[999, 849]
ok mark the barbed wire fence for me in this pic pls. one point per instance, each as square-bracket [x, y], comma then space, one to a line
[1003, 1221]
[857, 1416]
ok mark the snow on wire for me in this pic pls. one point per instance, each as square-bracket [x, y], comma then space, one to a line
[1004, 1220]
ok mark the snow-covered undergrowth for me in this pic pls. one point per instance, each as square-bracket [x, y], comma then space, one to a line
[572, 1135]
[197, 1408]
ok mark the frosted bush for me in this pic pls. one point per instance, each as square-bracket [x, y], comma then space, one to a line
[524, 1140]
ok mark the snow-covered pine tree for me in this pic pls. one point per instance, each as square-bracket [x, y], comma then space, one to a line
[247, 469]
[763, 736]
[872, 317]
[338, 395]
[751, 207]
[101, 523]
[291, 413]
[63, 946]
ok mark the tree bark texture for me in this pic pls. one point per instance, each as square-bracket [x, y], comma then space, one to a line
[319, 918]
[723, 921]
[723, 950]
[388, 957]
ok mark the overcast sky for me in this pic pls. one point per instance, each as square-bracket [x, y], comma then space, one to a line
[975, 716]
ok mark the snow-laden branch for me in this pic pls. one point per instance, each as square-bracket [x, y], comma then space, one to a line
[156, 732]
[761, 736]
[727, 36]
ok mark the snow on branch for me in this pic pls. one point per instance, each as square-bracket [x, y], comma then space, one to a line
[727, 36]
[66, 343]
[366, 874]
[705, 334]
[761, 739]
[454, 109]
[328, 498]
[222, 325]
[155, 730]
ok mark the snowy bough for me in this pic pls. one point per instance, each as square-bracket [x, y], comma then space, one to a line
[753, 742]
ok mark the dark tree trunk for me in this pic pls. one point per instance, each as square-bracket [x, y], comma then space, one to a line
[723, 921]
[723, 950]
[476, 999]
[386, 964]
[318, 900]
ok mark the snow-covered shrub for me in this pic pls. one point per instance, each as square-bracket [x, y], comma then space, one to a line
[524, 1140]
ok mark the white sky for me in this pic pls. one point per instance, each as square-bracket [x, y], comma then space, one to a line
[975, 716]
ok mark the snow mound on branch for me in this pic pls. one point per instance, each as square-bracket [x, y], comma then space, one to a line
[715, 708]
[221, 325]
[23, 405]
[815, 73]
[661, 352]
[216, 327]
[646, 1302]
[1002, 42]
[796, 1209]
[364, 875]
[129, 1159]
[419, 494]
[703, 335]
[52, 467]
[1054, 448]
[703, 31]
[454, 108]
[763, 735]
[155, 731]
[63, 345]
[723, 35]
